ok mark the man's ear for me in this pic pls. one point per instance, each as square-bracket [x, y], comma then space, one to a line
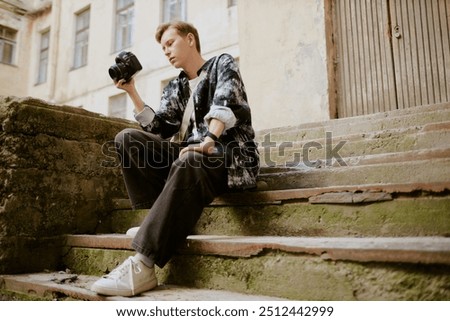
[191, 39]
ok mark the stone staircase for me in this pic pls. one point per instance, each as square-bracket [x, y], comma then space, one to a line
[347, 209]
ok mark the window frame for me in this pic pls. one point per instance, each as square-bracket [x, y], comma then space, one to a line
[118, 106]
[44, 53]
[167, 8]
[11, 41]
[123, 8]
[81, 39]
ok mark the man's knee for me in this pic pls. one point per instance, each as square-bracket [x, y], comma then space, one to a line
[125, 135]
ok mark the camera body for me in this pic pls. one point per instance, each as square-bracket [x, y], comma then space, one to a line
[127, 65]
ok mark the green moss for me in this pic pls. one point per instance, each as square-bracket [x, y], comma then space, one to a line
[311, 278]
[94, 261]
[122, 220]
[290, 276]
[283, 276]
[401, 217]
[377, 281]
[6, 295]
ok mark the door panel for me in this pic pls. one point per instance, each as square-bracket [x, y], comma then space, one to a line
[391, 54]
[421, 51]
[365, 70]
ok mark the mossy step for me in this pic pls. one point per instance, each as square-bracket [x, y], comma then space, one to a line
[336, 149]
[287, 213]
[287, 274]
[413, 171]
[261, 196]
[69, 286]
[31, 116]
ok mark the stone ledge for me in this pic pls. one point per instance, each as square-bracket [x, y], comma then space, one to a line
[423, 250]
[31, 116]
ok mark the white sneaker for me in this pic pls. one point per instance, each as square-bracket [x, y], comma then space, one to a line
[130, 278]
[133, 231]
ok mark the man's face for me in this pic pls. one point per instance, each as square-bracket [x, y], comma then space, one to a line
[176, 48]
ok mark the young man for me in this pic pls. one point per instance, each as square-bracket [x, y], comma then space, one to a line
[187, 153]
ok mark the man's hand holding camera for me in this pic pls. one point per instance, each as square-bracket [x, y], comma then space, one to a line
[128, 86]
[123, 72]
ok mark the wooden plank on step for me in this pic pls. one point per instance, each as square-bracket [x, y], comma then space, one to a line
[304, 194]
[424, 250]
[350, 198]
[101, 241]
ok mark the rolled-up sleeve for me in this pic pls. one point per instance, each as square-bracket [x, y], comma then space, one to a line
[145, 117]
[229, 94]
[222, 113]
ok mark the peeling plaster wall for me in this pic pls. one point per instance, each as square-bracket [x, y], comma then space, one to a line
[283, 61]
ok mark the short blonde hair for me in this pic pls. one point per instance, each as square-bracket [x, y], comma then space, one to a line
[183, 28]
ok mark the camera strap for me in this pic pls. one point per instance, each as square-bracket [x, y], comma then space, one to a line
[179, 137]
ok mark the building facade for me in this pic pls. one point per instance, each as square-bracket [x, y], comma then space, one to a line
[61, 51]
[301, 61]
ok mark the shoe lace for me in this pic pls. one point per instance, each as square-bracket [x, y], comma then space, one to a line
[127, 267]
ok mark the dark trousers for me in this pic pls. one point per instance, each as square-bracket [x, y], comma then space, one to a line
[175, 189]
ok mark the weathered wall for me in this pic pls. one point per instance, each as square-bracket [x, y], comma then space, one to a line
[283, 61]
[280, 45]
[14, 77]
[57, 175]
[90, 86]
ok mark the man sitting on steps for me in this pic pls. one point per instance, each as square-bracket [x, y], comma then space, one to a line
[197, 145]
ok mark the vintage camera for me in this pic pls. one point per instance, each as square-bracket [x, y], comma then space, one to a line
[127, 65]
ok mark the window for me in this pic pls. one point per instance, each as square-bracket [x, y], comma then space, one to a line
[43, 57]
[81, 39]
[174, 10]
[118, 106]
[232, 3]
[124, 24]
[7, 45]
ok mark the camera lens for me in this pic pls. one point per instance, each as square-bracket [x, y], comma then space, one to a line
[115, 72]
[127, 65]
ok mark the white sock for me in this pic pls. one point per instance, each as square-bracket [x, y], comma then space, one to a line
[144, 259]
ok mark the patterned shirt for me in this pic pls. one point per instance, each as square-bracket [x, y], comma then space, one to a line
[220, 95]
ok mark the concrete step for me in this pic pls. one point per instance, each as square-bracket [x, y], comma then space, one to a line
[289, 267]
[327, 212]
[428, 171]
[69, 286]
[420, 129]
[362, 145]
[364, 193]
[410, 117]
[424, 250]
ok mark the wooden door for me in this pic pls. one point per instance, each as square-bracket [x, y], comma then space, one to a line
[391, 54]
[421, 51]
